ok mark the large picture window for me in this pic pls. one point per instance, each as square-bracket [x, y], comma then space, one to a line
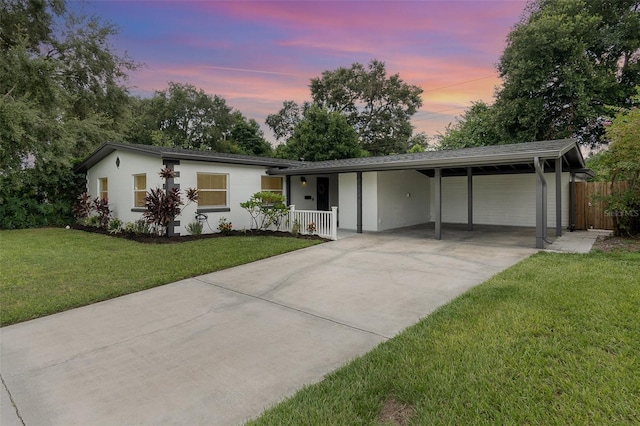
[103, 188]
[213, 190]
[271, 184]
[139, 189]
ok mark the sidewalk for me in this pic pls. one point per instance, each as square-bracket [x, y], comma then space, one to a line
[577, 241]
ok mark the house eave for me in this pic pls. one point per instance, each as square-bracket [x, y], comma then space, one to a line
[109, 147]
[476, 161]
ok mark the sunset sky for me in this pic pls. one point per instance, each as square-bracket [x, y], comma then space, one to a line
[257, 54]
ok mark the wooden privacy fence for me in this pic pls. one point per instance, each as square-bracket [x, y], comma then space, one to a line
[590, 210]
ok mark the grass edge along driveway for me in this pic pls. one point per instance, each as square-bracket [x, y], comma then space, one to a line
[552, 340]
[49, 270]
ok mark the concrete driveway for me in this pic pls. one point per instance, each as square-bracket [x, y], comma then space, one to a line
[219, 348]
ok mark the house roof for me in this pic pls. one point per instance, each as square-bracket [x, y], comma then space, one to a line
[167, 153]
[495, 159]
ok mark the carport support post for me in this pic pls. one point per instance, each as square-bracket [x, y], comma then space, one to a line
[438, 200]
[469, 199]
[558, 197]
[541, 205]
[359, 202]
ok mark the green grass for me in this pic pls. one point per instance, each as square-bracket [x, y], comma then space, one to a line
[50, 270]
[553, 340]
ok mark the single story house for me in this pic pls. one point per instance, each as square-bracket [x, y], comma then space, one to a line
[515, 185]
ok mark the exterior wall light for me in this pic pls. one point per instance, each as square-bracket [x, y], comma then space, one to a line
[303, 181]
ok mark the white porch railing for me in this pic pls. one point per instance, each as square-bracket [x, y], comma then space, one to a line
[322, 223]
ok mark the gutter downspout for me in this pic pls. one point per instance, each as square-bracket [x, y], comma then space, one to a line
[541, 205]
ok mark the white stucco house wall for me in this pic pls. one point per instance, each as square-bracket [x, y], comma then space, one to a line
[526, 184]
[128, 171]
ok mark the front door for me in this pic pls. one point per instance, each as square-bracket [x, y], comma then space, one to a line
[322, 193]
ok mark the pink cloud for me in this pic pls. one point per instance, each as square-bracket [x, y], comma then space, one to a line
[447, 48]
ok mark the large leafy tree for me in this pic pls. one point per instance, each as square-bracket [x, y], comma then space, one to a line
[283, 123]
[379, 107]
[321, 135]
[565, 63]
[61, 84]
[62, 93]
[478, 126]
[184, 116]
[248, 136]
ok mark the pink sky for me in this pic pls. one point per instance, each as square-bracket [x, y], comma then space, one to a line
[257, 54]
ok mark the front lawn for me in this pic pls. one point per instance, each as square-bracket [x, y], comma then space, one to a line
[553, 340]
[51, 270]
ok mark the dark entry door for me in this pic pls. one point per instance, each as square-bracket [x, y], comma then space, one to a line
[322, 193]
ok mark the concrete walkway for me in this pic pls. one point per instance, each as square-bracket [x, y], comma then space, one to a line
[577, 241]
[219, 348]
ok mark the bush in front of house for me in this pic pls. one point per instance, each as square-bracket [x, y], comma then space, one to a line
[162, 207]
[266, 209]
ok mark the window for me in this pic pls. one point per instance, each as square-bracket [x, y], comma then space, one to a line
[272, 184]
[103, 188]
[212, 190]
[139, 189]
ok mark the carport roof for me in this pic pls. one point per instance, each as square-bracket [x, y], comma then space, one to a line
[495, 159]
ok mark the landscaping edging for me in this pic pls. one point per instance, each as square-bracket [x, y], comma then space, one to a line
[154, 239]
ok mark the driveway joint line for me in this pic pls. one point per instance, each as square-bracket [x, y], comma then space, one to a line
[12, 401]
[292, 308]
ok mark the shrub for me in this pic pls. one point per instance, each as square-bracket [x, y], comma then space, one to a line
[115, 226]
[194, 228]
[139, 227]
[266, 208]
[295, 228]
[623, 163]
[311, 228]
[83, 207]
[103, 211]
[93, 221]
[42, 196]
[162, 206]
[224, 226]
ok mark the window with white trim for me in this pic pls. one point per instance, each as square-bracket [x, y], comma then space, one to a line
[271, 184]
[139, 189]
[103, 188]
[213, 190]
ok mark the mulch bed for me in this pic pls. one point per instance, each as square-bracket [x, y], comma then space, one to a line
[610, 244]
[153, 239]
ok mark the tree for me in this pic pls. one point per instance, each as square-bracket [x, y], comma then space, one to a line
[622, 162]
[564, 64]
[378, 107]
[478, 126]
[62, 94]
[286, 120]
[184, 116]
[248, 136]
[321, 135]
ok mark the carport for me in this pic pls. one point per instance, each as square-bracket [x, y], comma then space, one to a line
[557, 157]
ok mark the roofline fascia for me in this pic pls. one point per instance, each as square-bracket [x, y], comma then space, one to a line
[212, 159]
[492, 159]
[108, 147]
